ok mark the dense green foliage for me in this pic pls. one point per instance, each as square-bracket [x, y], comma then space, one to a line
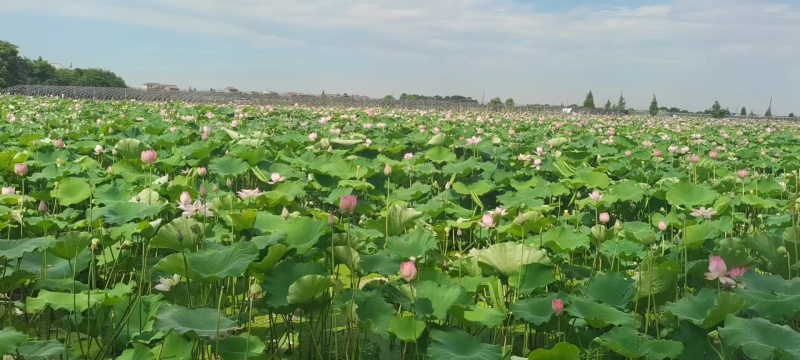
[133, 230]
[17, 70]
[589, 101]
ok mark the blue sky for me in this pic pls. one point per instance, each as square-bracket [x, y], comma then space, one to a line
[686, 52]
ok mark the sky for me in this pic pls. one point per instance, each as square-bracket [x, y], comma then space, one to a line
[688, 53]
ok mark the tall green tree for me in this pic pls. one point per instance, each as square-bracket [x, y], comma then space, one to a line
[607, 105]
[496, 103]
[589, 101]
[509, 103]
[654, 107]
[743, 112]
[716, 110]
[620, 103]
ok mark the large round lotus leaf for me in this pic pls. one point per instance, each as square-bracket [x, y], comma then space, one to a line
[509, 257]
[204, 322]
[63, 300]
[415, 244]
[478, 188]
[761, 339]
[210, 265]
[49, 349]
[561, 239]
[708, 308]
[597, 315]
[228, 166]
[536, 311]
[13, 249]
[373, 312]
[592, 179]
[10, 339]
[130, 148]
[54, 266]
[176, 346]
[561, 351]
[70, 244]
[611, 288]
[303, 233]
[629, 343]
[697, 234]
[531, 277]
[278, 281]
[459, 345]
[440, 155]
[627, 190]
[437, 139]
[240, 347]
[442, 298]
[71, 191]
[307, 287]
[690, 195]
[110, 193]
[489, 317]
[124, 212]
[139, 352]
[167, 235]
[406, 328]
[460, 167]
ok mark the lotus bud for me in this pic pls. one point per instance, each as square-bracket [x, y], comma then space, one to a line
[331, 219]
[202, 191]
[215, 188]
[185, 197]
[387, 170]
[520, 218]
[285, 213]
[408, 270]
[447, 185]
[202, 171]
[110, 170]
[618, 225]
[42, 207]
[21, 169]
[459, 232]
[604, 218]
[229, 182]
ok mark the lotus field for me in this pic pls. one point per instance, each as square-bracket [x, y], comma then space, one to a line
[186, 231]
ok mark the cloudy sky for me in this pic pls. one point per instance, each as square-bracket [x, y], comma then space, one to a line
[686, 52]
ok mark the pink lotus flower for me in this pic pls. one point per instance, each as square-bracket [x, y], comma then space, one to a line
[558, 306]
[658, 153]
[312, 136]
[604, 217]
[59, 143]
[21, 169]
[185, 198]
[165, 284]
[248, 193]
[662, 226]
[408, 156]
[202, 171]
[704, 212]
[713, 154]
[742, 173]
[368, 142]
[718, 270]
[408, 270]
[694, 158]
[9, 191]
[348, 203]
[276, 178]
[98, 149]
[198, 208]
[149, 156]
[595, 196]
[628, 153]
[737, 272]
[487, 221]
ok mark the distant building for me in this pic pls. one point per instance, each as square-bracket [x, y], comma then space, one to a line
[230, 89]
[157, 86]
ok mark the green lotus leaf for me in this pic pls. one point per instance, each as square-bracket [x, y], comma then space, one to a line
[760, 339]
[627, 342]
[561, 351]
[459, 345]
[71, 190]
[203, 322]
[507, 257]
[228, 166]
[240, 347]
[10, 339]
[406, 328]
[210, 265]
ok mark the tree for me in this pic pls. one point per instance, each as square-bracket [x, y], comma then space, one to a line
[752, 113]
[716, 110]
[654, 107]
[388, 98]
[509, 103]
[324, 95]
[496, 103]
[589, 102]
[608, 105]
[791, 114]
[620, 103]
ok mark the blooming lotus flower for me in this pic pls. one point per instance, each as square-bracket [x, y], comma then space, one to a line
[98, 149]
[737, 272]
[197, 208]
[9, 191]
[312, 136]
[595, 196]
[408, 270]
[742, 173]
[348, 203]
[247, 193]
[487, 221]
[474, 141]
[21, 169]
[59, 143]
[276, 178]
[149, 156]
[408, 156]
[713, 154]
[185, 198]
[558, 306]
[718, 270]
[165, 284]
[704, 212]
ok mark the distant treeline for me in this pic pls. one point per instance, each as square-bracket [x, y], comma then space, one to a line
[18, 70]
[460, 98]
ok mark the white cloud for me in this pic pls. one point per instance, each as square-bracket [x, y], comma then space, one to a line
[677, 41]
